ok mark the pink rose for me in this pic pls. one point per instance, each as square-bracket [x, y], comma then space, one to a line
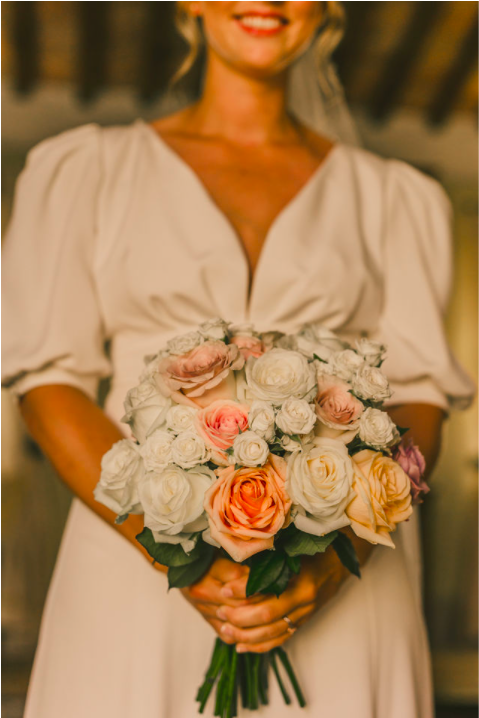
[203, 372]
[249, 346]
[411, 460]
[247, 507]
[220, 423]
[337, 409]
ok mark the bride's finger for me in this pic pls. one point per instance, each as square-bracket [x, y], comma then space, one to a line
[268, 611]
[237, 589]
[208, 590]
[261, 634]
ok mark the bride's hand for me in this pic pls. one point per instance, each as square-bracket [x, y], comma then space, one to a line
[223, 584]
[260, 627]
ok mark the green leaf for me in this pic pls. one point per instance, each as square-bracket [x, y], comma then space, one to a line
[343, 546]
[319, 359]
[302, 544]
[265, 569]
[294, 563]
[121, 519]
[281, 583]
[166, 553]
[181, 576]
[402, 430]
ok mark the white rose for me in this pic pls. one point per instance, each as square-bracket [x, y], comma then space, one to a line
[184, 343]
[151, 365]
[180, 418]
[289, 444]
[377, 429]
[214, 329]
[121, 471]
[241, 330]
[345, 364]
[319, 482]
[279, 374]
[156, 451]
[314, 339]
[287, 341]
[188, 450]
[249, 449]
[296, 417]
[372, 352]
[172, 500]
[261, 419]
[146, 409]
[370, 384]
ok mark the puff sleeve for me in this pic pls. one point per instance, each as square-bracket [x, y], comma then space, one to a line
[417, 256]
[52, 326]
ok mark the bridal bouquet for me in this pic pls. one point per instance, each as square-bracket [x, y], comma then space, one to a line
[262, 447]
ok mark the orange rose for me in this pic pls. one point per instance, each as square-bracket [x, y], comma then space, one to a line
[247, 507]
[383, 497]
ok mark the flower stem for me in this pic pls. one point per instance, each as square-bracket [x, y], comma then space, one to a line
[272, 659]
[283, 657]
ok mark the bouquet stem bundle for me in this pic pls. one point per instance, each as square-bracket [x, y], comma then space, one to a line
[244, 675]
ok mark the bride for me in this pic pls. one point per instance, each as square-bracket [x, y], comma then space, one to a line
[127, 236]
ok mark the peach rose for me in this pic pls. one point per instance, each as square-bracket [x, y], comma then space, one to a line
[247, 507]
[337, 409]
[249, 346]
[220, 423]
[383, 497]
[202, 375]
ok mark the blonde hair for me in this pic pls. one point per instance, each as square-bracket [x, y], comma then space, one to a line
[328, 37]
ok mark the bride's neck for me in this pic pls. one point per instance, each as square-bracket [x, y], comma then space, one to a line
[242, 109]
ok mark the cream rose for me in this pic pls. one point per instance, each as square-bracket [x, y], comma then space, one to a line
[146, 409]
[247, 507]
[201, 374]
[188, 450]
[156, 451]
[261, 419]
[180, 418]
[345, 364]
[121, 472]
[249, 449]
[370, 384]
[372, 352]
[296, 416]
[184, 343]
[319, 483]
[291, 445]
[382, 497]
[314, 339]
[172, 500]
[280, 374]
[214, 329]
[377, 429]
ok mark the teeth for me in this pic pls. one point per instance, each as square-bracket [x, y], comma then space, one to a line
[260, 23]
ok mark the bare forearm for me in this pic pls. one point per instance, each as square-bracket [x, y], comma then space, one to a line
[74, 433]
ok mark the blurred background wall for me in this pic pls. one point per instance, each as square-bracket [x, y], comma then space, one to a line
[410, 73]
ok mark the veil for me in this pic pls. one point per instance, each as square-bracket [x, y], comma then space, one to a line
[329, 116]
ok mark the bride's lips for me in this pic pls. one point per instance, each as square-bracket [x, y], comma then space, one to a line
[261, 24]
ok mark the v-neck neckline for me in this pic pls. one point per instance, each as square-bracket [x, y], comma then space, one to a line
[252, 276]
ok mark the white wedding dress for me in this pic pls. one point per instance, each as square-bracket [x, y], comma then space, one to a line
[113, 237]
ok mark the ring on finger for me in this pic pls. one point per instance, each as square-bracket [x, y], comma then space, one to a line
[291, 626]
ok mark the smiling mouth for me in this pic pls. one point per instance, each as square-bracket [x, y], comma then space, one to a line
[259, 24]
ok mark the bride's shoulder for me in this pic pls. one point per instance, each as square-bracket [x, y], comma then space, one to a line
[392, 176]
